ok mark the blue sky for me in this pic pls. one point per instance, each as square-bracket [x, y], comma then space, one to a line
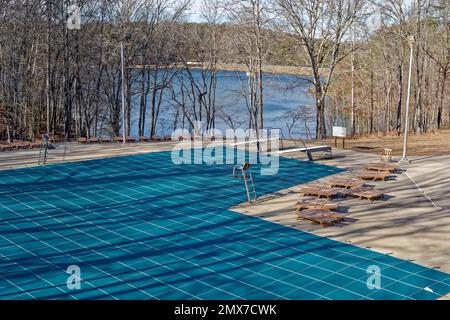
[194, 15]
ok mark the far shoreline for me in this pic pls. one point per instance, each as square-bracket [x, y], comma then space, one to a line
[272, 69]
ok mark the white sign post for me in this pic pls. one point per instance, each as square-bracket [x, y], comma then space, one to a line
[339, 132]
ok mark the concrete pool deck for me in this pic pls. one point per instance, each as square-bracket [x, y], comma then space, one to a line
[71, 152]
[413, 223]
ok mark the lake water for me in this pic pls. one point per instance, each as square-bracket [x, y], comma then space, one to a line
[282, 93]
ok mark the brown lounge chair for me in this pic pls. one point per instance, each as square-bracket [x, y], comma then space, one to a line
[373, 176]
[313, 203]
[5, 147]
[131, 140]
[144, 139]
[318, 216]
[118, 139]
[105, 140]
[346, 183]
[168, 138]
[363, 193]
[20, 145]
[381, 167]
[319, 191]
[156, 139]
[371, 195]
[82, 140]
[93, 140]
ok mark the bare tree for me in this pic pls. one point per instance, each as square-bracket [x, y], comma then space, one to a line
[251, 18]
[321, 27]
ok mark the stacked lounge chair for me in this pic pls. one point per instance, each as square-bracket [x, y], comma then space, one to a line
[119, 139]
[382, 167]
[19, 145]
[313, 203]
[144, 139]
[320, 216]
[347, 183]
[5, 147]
[318, 211]
[362, 193]
[317, 190]
[373, 175]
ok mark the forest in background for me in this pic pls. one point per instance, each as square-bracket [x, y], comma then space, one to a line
[69, 83]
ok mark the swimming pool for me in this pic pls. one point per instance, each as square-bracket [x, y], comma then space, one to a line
[140, 227]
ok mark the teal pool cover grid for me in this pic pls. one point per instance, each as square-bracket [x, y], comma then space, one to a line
[141, 227]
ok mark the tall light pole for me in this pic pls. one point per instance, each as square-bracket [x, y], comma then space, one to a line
[352, 59]
[123, 91]
[405, 141]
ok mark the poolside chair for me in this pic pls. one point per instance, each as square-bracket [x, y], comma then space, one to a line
[118, 139]
[144, 139]
[131, 140]
[93, 140]
[346, 183]
[386, 155]
[105, 140]
[168, 138]
[319, 216]
[82, 140]
[373, 176]
[156, 139]
[318, 191]
[313, 203]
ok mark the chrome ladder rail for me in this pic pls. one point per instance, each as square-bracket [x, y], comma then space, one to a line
[246, 174]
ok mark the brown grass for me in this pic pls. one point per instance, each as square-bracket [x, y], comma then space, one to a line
[429, 144]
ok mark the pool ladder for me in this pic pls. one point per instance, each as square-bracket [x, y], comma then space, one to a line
[246, 174]
[43, 151]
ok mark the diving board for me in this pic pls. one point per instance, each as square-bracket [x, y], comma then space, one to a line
[309, 151]
[252, 141]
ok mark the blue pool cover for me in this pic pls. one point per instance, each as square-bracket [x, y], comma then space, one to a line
[140, 227]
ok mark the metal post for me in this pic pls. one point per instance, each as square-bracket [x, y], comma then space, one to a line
[405, 141]
[123, 92]
[352, 59]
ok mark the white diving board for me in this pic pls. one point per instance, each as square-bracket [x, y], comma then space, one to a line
[308, 150]
[252, 141]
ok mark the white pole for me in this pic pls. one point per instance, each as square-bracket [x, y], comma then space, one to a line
[123, 91]
[405, 141]
[352, 59]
